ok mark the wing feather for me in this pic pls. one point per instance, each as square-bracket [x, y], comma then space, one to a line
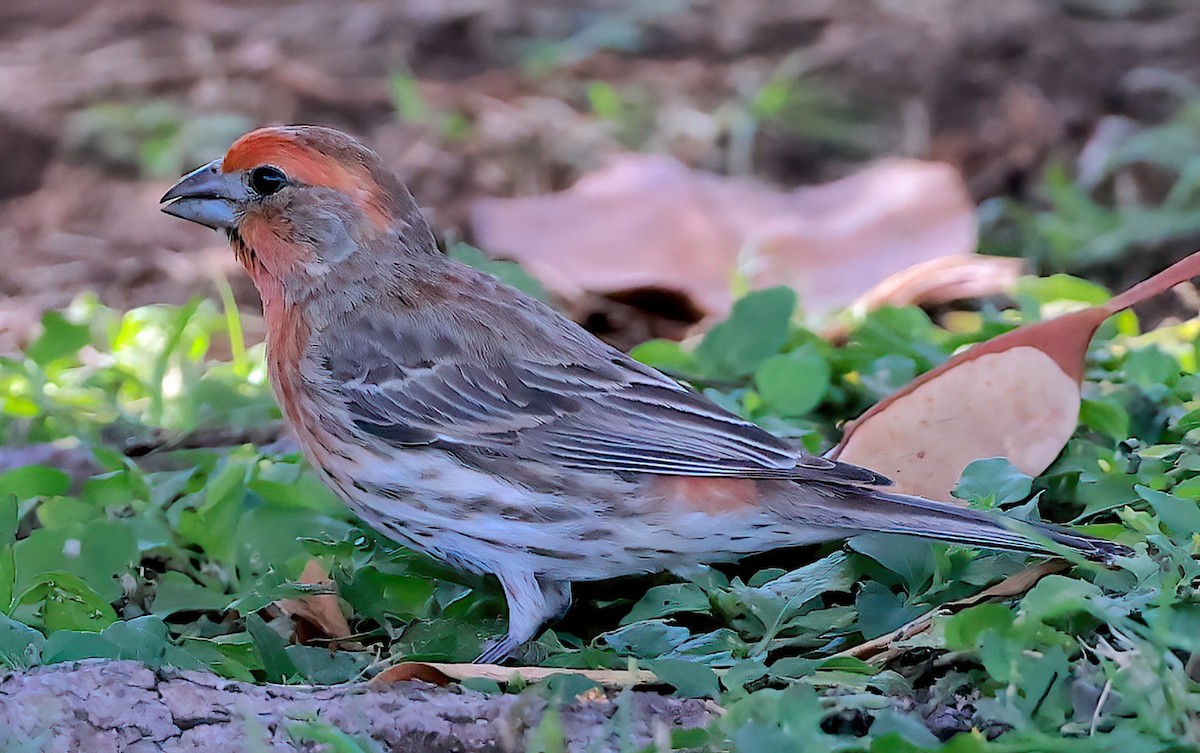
[585, 406]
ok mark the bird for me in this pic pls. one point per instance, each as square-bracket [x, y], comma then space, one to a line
[464, 419]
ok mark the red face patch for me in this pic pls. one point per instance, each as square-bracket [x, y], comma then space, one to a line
[301, 162]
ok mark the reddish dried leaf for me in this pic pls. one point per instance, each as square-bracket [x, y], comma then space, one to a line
[950, 278]
[942, 280]
[411, 670]
[320, 612]
[649, 222]
[443, 674]
[1016, 397]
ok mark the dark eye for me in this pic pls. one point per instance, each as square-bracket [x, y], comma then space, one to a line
[266, 180]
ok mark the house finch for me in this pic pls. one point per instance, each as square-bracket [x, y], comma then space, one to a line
[458, 416]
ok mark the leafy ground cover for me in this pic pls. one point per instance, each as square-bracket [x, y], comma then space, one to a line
[186, 556]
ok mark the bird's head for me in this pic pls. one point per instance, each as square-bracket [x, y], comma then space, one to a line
[300, 202]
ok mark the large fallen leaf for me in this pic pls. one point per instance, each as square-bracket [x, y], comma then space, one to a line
[648, 222]
[1016, 397]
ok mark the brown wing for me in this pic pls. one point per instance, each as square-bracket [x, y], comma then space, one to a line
[534, 386]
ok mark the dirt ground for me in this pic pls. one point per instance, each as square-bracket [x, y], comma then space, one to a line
[103, 102]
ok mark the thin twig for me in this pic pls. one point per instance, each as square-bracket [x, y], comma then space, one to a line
[881, 649]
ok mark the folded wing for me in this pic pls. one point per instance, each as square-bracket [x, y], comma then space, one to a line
[583, 406]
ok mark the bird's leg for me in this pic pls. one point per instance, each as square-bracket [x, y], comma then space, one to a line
[532, 601]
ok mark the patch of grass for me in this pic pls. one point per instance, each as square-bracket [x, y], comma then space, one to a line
[179, 557]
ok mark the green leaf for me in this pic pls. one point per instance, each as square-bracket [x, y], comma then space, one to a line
[690, 679]
[142, 639]
[1150, 368]
[324, 667]
[666, 355]
[909, 727]
[64, 512]
[274, 534]
[59, 338]
[34, 481]
[793, 384]
[831, 573]
[175, 592]
[1057, 596]
[907, 556]
[992, 481]
[9, 520]
[1187, 422]
[330, 739]
[963, 631]
[756, 329]
[564, 687]
[116, 489]
[305, 492]
[237, 661]
[20, 645]
[880, 611]
[604, 100]
[1182, 516]
[214, 523]
[68, 603]
[743, 673]
[662, 601]
[378, 595]
[1105, 416]
[772, 721]
[277, 664]
[649, 639]
[99, 552]
[549, 735]
[1044, 686]
[1043, 290]
[406, 98]
[1179, 623]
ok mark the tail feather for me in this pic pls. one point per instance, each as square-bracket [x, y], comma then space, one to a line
[886, 512]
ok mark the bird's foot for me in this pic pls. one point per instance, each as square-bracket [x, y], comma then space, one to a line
[498, 650]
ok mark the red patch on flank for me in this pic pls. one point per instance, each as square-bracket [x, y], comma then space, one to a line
[712, 495]
[280, 148]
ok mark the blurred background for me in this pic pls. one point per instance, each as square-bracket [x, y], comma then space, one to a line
[643, 160]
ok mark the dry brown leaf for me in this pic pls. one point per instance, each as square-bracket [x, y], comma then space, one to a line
[648, 222]
[942, 280]
[883, 648]
[1016, 396]
[316, 615]
[411, 670]
[444, 674]
[949, 278]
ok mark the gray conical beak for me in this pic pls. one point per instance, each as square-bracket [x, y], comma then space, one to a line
[207, 196]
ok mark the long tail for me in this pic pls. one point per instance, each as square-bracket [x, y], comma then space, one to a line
[866, 509]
